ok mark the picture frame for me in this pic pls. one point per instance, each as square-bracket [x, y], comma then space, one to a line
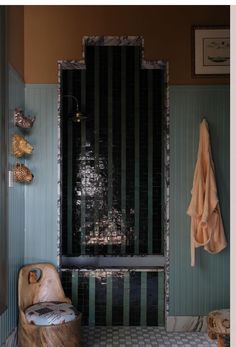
[211, 51]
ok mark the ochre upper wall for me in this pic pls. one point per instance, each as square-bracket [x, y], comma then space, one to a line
[53, 33]
[15, 38]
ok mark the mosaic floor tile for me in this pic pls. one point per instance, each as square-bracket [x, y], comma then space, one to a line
[142, 336]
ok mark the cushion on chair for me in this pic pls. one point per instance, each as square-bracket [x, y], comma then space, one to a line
[50, 313]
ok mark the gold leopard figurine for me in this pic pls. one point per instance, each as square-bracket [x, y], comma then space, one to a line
[20, 146]
[22, 174]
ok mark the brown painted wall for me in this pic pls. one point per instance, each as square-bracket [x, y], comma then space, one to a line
[55, 32]
[15, 38]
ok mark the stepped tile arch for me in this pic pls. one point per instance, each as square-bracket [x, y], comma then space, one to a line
[156, 64]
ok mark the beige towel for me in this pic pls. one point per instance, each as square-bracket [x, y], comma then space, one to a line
[206, 223]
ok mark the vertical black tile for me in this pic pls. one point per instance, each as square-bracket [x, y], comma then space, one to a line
[102, 195]
[66, 283]
[130, 148]
[83, 296]
[117, 298]
[135, 297]
[143, 150]
[157, 160]
[152, 298]
[116, 148]
[89, 184]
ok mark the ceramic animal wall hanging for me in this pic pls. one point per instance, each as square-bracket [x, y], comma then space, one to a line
[20, 146]
[21, 121]
[22, 174]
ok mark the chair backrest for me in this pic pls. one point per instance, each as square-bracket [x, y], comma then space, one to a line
[39, 283]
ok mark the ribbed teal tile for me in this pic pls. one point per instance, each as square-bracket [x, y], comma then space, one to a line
[16, 215]
[92, 298]
[143, 304]
[196, 291]
[109, 300]
[41, 195]
[126, 300]
[74, 284]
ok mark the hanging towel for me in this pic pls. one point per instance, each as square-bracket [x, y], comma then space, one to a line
[206, 223]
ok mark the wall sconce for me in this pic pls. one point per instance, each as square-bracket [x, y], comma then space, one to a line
[79, 116]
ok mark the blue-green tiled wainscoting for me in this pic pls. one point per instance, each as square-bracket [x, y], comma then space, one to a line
[16, 216]
[196, 291]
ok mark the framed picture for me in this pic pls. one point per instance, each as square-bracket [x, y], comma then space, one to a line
[211, 51]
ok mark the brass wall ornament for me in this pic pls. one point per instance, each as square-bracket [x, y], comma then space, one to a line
[21, 121]
[20, 146]
[22, 173]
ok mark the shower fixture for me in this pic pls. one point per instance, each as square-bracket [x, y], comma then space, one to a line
[78, 116]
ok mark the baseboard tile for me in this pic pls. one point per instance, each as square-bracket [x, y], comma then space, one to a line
[186, 323]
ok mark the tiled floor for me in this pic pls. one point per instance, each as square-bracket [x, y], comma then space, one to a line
[141, 336]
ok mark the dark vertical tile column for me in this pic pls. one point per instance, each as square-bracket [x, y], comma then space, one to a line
[66, 282]
[89, 183]
[152, 298]
[116, 151]
[96, 143]
[157, 87]
[83, 296]
[117, 298]
[143, 167]
[110, 143]
[103, 147]
[150, 163]
[135, 296]
[83, 165]
[109, 312]
[123, 148]
[137, 153]
[130, 166]
[77, 163]
[70, 151]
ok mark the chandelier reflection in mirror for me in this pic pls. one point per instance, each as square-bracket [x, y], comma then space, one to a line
[106, 228]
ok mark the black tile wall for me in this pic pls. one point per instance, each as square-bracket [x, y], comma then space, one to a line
[100, 293]
[93, 164]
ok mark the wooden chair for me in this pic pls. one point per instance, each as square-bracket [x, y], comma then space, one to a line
[40, 283]
[218, 324]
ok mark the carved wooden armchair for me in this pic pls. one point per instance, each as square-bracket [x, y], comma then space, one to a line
[46, 317]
